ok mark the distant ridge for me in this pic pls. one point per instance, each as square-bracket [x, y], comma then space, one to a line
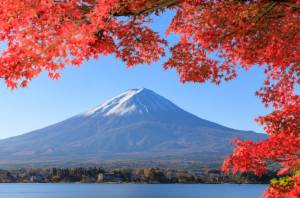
[135, 125]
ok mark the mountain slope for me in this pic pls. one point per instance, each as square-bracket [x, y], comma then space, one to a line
[135, 125]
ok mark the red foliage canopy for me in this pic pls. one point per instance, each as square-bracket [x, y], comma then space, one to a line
[50, 34]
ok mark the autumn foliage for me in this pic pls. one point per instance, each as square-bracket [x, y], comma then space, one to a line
[47, 35]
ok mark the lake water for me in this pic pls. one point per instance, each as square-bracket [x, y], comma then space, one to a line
[130, 191]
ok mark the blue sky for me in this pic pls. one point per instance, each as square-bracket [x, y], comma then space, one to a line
[46, 101]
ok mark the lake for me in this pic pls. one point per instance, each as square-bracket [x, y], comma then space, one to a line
[130, 191]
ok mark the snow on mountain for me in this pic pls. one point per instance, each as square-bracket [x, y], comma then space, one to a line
[117, 105]
[138, 101]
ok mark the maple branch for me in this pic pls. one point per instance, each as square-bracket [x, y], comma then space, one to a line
[269, 8]
[161, 4]
[157, 6]
[293, 5]
[147, 9]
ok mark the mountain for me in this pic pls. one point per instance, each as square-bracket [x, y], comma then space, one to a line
[135, 125]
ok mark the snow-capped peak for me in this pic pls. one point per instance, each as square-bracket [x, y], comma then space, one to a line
[138, 101]
[116, 105]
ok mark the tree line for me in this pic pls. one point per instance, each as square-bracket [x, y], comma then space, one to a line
[128, 175]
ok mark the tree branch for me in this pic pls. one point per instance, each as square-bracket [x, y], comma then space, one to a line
[124, 10]
[160, 4]
[293, 5]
